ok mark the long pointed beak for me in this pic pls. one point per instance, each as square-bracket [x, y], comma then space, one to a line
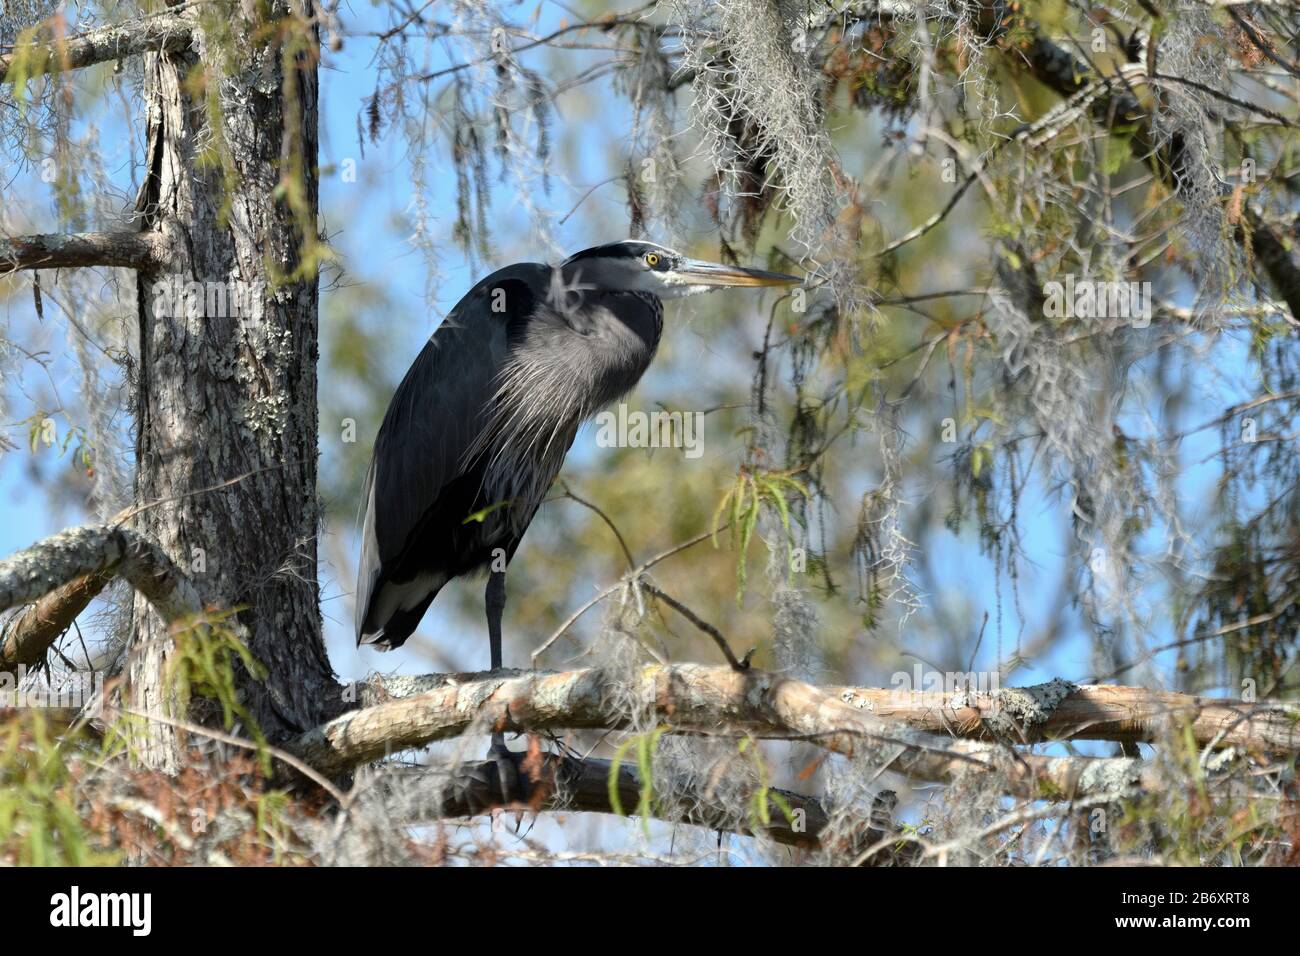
[699, 272]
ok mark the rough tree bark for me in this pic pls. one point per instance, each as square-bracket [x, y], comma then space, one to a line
[226, 416]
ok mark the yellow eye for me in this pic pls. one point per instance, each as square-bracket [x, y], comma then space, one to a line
[651, 259]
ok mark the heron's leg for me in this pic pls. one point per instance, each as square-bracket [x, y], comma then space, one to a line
[494, 599]
[513, 785]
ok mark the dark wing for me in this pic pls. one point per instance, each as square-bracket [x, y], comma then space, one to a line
[435, 416]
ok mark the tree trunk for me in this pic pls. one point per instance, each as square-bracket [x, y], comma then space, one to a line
[226, 440]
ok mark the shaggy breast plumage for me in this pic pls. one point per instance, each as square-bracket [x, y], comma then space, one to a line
[551, 382]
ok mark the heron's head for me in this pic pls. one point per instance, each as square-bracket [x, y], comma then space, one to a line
[636, 266]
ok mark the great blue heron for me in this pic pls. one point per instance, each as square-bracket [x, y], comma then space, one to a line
[480, 425]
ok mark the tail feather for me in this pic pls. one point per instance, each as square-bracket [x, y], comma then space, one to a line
[395, 612]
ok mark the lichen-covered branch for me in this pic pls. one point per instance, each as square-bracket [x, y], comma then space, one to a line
[697, 699]
[77, 553]
[1086, 712]
[133, 250]
[1057, 710]
[47, 54]
[96, 550]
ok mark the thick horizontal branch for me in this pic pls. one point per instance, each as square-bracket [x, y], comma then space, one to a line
[133, 250]
[51, 55]
[691, 698]
[583, 785]
[1056, 710]
[1087, 712]
[60, 565]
